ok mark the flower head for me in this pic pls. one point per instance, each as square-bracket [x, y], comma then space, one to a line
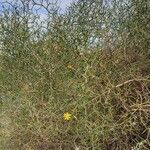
[67, 116]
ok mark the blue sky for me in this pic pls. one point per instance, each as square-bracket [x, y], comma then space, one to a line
[65, 3]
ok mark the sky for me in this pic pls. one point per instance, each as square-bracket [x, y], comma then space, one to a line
[64, 4]
[42, 15]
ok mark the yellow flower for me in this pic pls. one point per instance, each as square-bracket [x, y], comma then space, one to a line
[67, 116]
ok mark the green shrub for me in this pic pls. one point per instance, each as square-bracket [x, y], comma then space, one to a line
[43, 75]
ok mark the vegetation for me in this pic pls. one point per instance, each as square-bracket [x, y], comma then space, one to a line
[75, 80]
